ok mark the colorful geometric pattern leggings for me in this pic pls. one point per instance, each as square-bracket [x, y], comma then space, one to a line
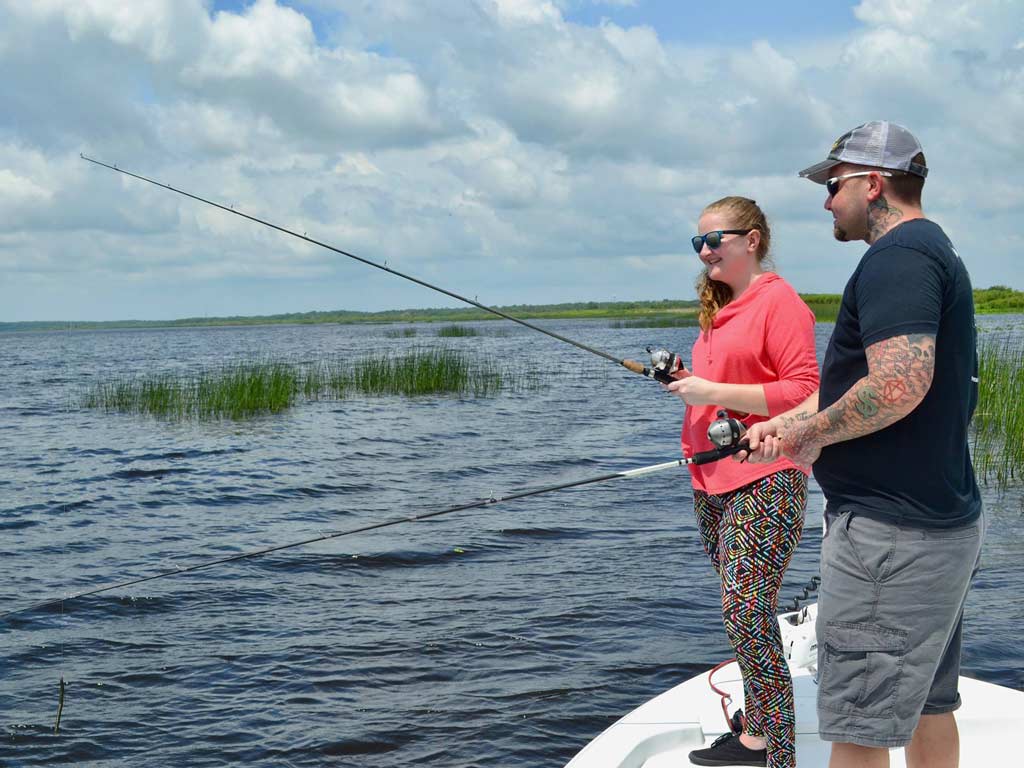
[750, 535]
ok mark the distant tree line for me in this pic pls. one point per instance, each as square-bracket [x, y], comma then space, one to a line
[997, 299]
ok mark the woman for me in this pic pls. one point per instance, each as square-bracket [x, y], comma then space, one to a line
[754, 357]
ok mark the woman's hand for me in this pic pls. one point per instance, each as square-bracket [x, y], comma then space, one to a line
[691, 389]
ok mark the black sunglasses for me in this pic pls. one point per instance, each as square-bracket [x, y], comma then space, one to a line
[714, 238]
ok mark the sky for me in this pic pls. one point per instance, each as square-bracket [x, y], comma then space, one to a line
[515, 151]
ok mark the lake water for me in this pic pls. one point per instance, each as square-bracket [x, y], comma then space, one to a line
[504, 636]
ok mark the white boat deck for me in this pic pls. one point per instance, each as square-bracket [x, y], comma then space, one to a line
[661, 732]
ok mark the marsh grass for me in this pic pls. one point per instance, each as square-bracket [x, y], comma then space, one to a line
[998, 425]
[419, 372]
[234, 391]
[455, 331]
[248, 389]
[825, 306]
[658, 321]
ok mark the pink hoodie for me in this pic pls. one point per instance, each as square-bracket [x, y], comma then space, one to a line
[766, 336]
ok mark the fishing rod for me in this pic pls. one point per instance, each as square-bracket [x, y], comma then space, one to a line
[632, 365]
[725, 436]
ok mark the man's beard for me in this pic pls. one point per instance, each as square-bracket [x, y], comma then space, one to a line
[840, 234]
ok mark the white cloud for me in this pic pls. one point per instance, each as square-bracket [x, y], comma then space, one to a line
[153, 27]
[516, 12]
[990, 24]
[268, 41]
[17, 191]
[492, 144]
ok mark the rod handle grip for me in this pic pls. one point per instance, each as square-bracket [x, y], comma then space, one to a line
[706, 457]
[643, 370]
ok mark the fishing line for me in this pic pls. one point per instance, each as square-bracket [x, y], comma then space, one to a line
[704, 457]
[631, 365]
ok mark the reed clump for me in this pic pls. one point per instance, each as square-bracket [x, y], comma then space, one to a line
[248, 389]
[658, 321]
[456, 331]
[399, 333]
[233, 391]
[998, 425]
[419, 372]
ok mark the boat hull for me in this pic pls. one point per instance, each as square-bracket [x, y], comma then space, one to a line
[662, 731]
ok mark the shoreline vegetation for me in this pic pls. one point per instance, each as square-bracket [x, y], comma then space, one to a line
[664, 313]
[260, 387]
[997, 429]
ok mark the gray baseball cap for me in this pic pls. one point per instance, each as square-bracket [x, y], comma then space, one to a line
[879, 144]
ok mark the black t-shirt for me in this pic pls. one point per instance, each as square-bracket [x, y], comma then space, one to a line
[918, 470]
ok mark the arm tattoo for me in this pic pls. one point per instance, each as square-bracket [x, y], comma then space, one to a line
[866, 402]
[882, 216]
[893, 390]
[900, 373]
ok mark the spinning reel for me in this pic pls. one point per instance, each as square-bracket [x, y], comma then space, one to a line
[726, 431]
[665, 362]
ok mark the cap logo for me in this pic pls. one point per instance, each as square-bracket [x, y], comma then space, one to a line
[839, 145]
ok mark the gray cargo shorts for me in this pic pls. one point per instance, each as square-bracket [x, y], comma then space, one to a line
[890, 615]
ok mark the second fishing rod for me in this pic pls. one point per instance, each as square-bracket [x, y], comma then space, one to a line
[659, 358]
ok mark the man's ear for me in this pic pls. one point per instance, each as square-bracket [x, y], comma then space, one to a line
[875, 186]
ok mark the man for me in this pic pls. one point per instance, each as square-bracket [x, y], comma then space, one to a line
[887, 435]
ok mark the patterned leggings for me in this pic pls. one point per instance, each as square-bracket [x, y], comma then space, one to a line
[750, 535]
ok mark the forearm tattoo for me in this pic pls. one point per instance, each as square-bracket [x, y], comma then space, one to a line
[865, 404]
[900, 373]
[792, 418]
[882, 216]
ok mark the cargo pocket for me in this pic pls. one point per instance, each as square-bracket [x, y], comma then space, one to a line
[861, 668]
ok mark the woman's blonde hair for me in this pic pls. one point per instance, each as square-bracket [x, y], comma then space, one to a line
[741, 213]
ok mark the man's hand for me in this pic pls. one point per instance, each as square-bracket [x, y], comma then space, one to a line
[796, 439]
[802, 442]
[765, 446]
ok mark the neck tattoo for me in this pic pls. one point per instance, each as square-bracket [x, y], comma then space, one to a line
[882, 217]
